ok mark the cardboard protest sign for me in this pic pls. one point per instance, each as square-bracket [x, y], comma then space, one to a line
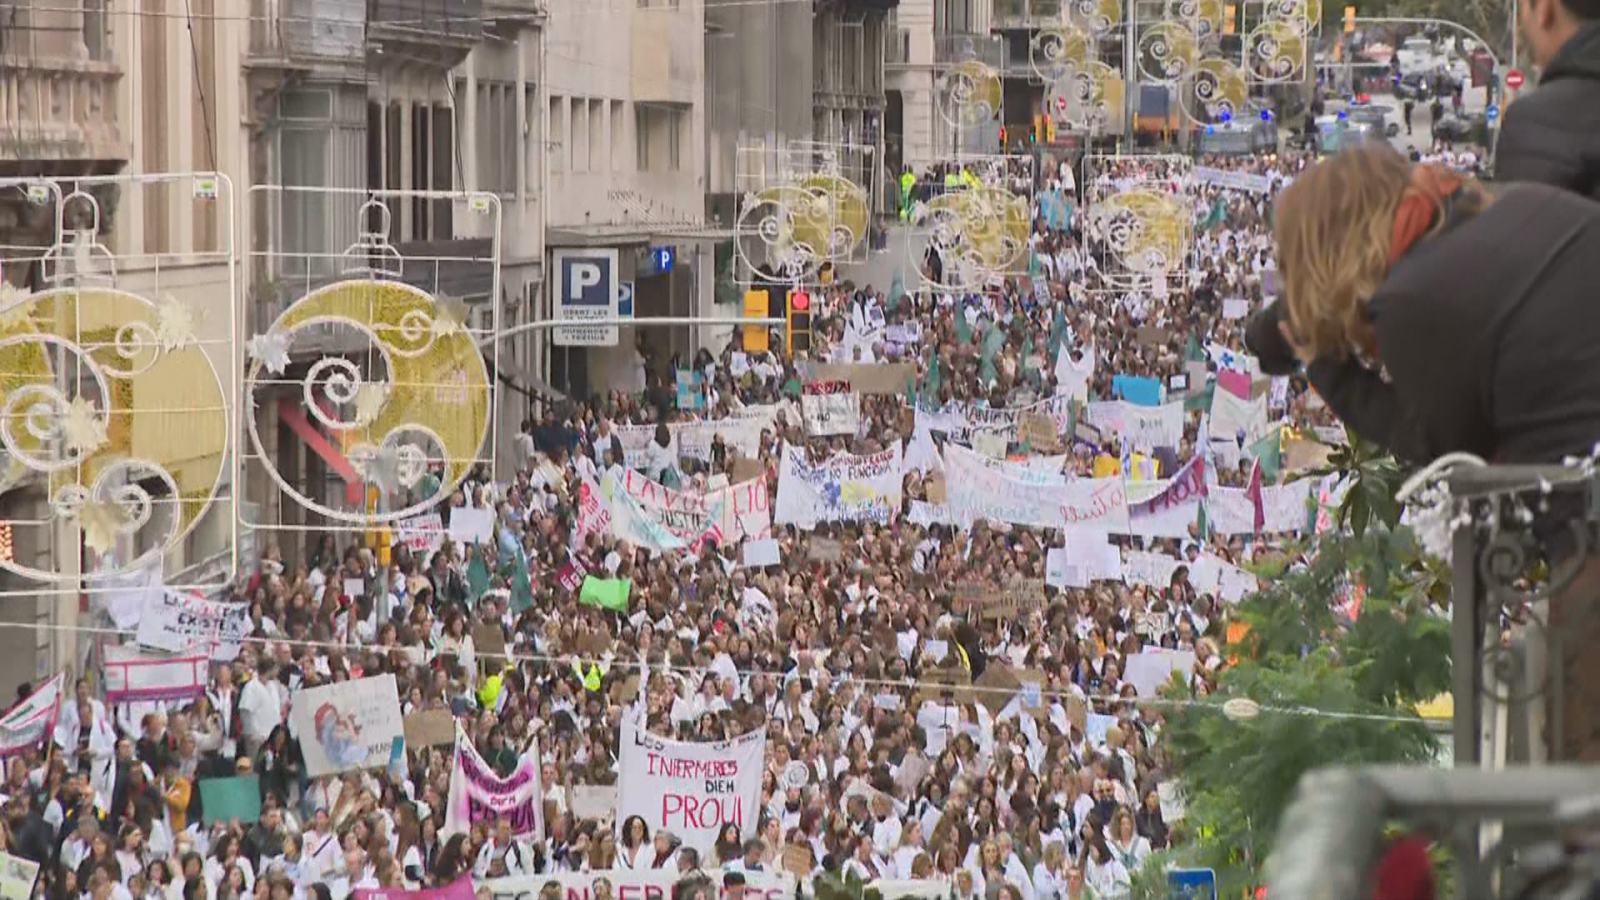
[949, 679]
[489, 640]
[430, 728]
[1038, 431]
[868, 378]
[825, 550]
[995, 687]
[1015, 598]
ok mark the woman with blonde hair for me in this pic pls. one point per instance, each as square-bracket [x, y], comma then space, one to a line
[1480, 308]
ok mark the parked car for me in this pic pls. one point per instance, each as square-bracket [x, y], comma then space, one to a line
[1468, 129]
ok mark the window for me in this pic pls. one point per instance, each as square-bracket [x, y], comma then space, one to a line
[580, 135]
[497, 136]
[619, 146]
[599, 154]
[658, 136]
[641, 136]
[555, 145]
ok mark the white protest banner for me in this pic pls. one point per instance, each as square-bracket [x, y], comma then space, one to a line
[1150, 521]
[609, 508]
[133, 674]
[32, 721]
[1211, 575]
[421, 534]
[829, 408]
[17, 876]
[693, 440]
[1142, 427]
[926, 514]
[348, 725]
[175, 622]
[688, 517]
[1228, 178]
[978, 490]
[1230, 511]
[478, 795]
[629, 884]
[1153, 569]
[846, 488]
[1232, 416]
[691, 790]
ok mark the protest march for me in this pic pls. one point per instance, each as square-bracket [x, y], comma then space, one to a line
[910, 608]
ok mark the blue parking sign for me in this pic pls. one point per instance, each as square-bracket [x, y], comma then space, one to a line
[1492, 112]
[585, 290]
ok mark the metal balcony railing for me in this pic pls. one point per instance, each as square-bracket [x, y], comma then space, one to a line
[1521, 664]
[950, 49]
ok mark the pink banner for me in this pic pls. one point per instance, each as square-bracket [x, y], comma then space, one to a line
[460, 889]
[134, 675]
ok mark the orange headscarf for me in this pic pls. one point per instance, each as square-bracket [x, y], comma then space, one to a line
[1430, 185]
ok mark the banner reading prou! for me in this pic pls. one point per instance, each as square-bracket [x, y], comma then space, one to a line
[691, 790]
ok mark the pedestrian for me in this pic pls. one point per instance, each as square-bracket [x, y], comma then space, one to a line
[1410, 107]
[1552, 135]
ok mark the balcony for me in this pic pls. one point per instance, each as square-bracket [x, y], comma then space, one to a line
[1026, 13]
[950, 49]
[897, 47]
[59, 116]
[306, 35]
[441, 32]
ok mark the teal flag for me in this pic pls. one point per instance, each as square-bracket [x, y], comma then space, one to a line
[1269, 452]
[963, 330]
[477, 576]
[605, 593]
[897, 290]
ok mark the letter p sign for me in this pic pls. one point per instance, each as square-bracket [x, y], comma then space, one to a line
[584, 275]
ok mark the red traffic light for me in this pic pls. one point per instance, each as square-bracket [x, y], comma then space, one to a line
[800, 302]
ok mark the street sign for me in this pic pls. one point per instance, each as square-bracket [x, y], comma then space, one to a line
[625, 300]
[661, 260]
[586, 289]
[1491, 112]
[1514, 79]
[1192, 884]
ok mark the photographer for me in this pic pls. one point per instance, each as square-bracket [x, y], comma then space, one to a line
[1479, 308]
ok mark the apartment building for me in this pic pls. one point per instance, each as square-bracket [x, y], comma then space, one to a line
[925, 41]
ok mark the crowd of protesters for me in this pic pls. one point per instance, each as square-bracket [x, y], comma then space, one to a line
[999, 802]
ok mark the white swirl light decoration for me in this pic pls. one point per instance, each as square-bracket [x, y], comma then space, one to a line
[776, 220]
[1098, 17]
[1053, 50]
[1215, 92]
[1276, 51]
[445, 392]
[137, 344]
[1203, 17]
[1301, 16]
[1083, 98]
[970, 94]
[118, 495]
[1167, 52]
[340, 382]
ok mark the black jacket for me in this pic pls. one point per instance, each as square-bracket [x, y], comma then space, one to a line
[1552, 135]
[1490, 333]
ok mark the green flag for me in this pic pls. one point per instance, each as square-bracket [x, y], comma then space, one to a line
[477, 576]
[930, 384]
[521, 584]
[1199, 398]
[1219, 211]
[963, 330]
[1193, 353]
[897, 289]
[1058, 330]
[606, 593]
[1269, 451]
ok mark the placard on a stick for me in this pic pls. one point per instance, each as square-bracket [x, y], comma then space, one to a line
[1038, 431]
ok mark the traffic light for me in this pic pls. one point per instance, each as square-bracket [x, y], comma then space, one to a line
[1230, 24]
[799, 317]
[1038, 129]
[1349, 19]
[1002, 137]
[1050, 129]
[756, 337]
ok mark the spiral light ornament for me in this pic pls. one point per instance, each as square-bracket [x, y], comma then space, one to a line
[1167, 52]
[1054, 50]
[970, 94]
[1215, 92]
[1275, 50]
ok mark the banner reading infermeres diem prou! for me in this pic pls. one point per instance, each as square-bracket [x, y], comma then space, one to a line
[691, 790]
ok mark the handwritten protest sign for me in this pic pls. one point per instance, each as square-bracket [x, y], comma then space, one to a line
[174, 621]
[430, 728]
[830, 408]
[845, 488]
[868, 378]
[691, 789]
[1038, 431]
